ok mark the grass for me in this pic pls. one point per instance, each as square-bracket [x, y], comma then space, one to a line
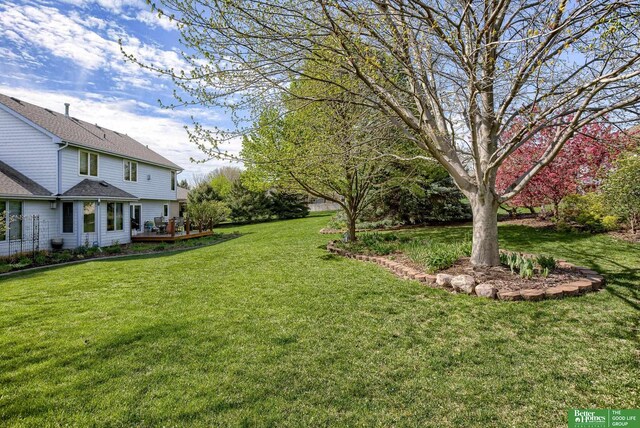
[270, 330]
[43, 258]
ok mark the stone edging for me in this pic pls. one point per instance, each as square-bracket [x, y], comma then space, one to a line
[591, 281]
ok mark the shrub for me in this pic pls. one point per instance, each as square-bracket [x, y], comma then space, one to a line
[622, 189]
[284, 205]
[247, 205]
[583, 212]
[611, 222]
[113, 249]
[40, 258]
[208, 214]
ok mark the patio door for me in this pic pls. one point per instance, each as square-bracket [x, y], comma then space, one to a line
[135, 214]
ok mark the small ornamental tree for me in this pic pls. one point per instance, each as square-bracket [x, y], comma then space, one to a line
[578, 166]
[208, 214]
[622, 189]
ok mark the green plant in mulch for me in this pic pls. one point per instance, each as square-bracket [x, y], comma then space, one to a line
[526, 266]
[438, 256]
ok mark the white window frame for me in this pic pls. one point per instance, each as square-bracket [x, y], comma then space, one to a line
[95, 216]
[73, 217]
[165, 210]
[174, 177]
[115, 218]
[88, 174]
[7, 219]
[131, 163]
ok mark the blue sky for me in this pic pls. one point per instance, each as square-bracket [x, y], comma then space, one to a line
[52, 52]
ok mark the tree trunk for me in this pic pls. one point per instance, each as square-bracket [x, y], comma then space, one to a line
[351, 232]
[485, 230]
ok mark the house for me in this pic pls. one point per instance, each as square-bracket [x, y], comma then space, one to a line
[178, 207]
[62, 178]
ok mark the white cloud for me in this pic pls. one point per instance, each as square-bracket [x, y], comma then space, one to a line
[161, 131]
[76, 38]
[153, 20]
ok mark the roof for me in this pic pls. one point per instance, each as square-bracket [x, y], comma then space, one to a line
[15, 183]
[97, 189]
[182, 194]
[78, 132]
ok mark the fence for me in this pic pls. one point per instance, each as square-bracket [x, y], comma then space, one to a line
[27, 235]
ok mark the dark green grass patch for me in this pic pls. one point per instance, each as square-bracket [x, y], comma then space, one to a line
[268, 330]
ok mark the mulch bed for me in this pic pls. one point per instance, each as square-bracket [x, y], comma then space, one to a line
[565, 280]
[502, 278]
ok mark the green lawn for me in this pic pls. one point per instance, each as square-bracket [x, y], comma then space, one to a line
[269, 330]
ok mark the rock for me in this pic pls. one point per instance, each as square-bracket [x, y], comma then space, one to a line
[569, 289]
[486, 290]
[588, 272]
[463, 283]
[533, 295]
[584, 285]
[509, 295]
[430, 279]
[597, 281]
[443, 279]
[554, 293]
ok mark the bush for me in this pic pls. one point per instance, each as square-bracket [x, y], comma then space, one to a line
[611, 222]
[40, 258]
[622, 189]
[247, 205]
[284, 205]
[583, 212]
[208, 214]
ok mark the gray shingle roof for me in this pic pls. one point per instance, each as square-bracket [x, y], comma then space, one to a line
[14, 183]
[78, 132]
[97, 189]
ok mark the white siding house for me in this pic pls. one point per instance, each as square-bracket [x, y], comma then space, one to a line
[85, 185]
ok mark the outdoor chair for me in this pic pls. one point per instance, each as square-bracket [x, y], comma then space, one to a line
[179, 224]
[160, 224]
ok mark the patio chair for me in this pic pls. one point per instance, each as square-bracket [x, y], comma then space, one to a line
[179, 224]
[160, 224]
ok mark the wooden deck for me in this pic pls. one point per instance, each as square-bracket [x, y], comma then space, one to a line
[165, 237]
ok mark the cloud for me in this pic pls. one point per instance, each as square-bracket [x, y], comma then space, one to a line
[157, 128]
[89, 42]
[153, 20]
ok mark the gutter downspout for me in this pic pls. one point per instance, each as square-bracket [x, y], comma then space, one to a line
[60, 167]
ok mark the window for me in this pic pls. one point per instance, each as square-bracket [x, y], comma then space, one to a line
[173, 180]
[3, 220]
[15, 220]
[130, 171]
[165, 210]
[67, 217]
[89, 217]
[114, 216]
[88, 164]
[11, 212]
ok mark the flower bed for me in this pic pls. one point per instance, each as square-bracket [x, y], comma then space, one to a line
[500, 282]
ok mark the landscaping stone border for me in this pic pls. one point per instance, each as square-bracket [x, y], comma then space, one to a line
[590, 281]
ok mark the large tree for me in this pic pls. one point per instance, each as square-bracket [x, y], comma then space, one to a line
[453, 74]
[330, 150]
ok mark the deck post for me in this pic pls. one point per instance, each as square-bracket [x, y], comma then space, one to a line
[187, 226]
[172, 227]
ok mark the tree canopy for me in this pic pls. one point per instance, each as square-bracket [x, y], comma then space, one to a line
[452, 75]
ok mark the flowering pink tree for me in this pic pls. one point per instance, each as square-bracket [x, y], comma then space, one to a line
[577, 166]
